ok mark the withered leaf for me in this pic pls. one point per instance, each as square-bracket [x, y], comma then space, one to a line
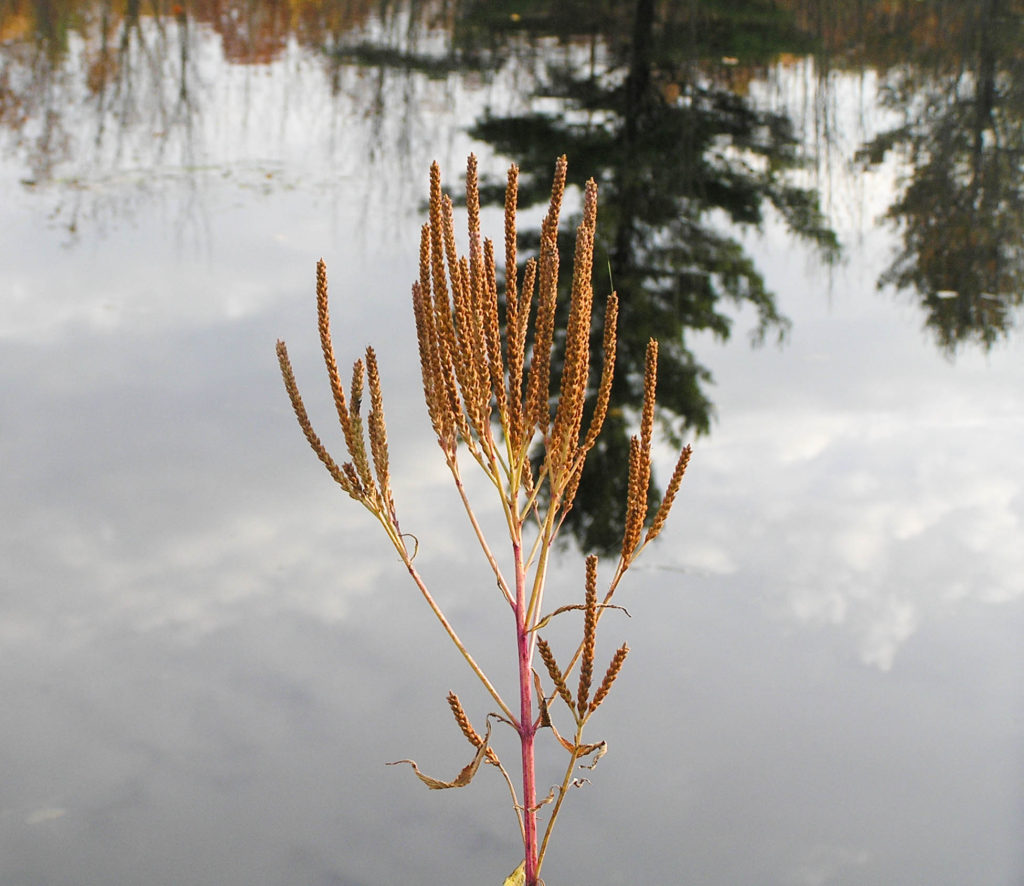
[544, 719]
[550, 798]
[585, 750]
[543, 623]
[517, 877]
[568, 745]
[463, 778]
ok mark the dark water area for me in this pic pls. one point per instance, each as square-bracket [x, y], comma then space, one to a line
[209, 654]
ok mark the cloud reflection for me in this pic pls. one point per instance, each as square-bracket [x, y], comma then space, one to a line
[209, 654]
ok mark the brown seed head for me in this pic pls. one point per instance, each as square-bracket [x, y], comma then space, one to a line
[472, 355]
[511, 198]
[436, 237]
[650, 386]
[555, 672]
[360, 492]
[327, 348]
[572, 487]
[589, 635]
[492, 331]
[604, 392]
[636, 502]
[357, 449]
[609, 677]
[429, 365]
[471, 734]
[442, 245]
[640, 460]
[670, 494]
[521, 431]
[576, 365]
[538, 410]
[378, 434]
[472, 202]
[337, 474]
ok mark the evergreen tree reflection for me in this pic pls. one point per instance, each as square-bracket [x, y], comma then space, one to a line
[674, 148]
[652, 100]
[961, 212]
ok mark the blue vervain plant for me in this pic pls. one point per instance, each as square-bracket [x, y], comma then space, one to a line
[486, 387]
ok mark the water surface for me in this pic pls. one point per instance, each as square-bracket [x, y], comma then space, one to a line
[209, 653]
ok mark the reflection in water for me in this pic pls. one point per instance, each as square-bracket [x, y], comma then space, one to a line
[106, 105]
[656, 116]
[652, 99]
[188, 618]
[90, 92]
[961, 212]
[951, 76]
[674, 147]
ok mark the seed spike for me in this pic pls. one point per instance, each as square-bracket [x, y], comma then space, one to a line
[538, 409]
[357, 449]
[511, 271]
[576, 365]
[609, 677]
[471, 734]
[314, 441]
[327, 348]
[492, 331]
[378, 433]
[636, 502]
[589, 635]
[670, 494]
[555, 672]
[440, 285]
[521, 432]
[604, 391]
[430, 371]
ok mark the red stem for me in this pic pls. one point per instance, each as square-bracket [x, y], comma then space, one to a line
[527, 730]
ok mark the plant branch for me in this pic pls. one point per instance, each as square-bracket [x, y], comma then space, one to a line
[455, 637]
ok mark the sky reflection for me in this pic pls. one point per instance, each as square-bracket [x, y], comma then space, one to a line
[209, 653]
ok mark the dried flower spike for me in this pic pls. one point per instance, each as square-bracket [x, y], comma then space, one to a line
[589, 635]
[471, 734]
[609, 677]
[555, 673]
[670, 495]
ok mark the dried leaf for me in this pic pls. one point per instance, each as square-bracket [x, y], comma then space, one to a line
[550, 798]
[543, 623]
[568, 745]
[544, 719]
[517, 877]
[601, 747]
[463, 778]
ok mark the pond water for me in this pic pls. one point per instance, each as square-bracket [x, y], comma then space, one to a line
[208, 652]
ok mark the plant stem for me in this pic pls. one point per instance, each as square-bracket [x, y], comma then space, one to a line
[562, 791]
[454, 637]
[527, 729]
[454, 468]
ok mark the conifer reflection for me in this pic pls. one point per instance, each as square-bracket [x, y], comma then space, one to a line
[961, 211]
[675, 146]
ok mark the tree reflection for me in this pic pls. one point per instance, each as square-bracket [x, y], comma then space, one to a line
[106, 104]
[675, 148]
[77, 109]
[961, 212]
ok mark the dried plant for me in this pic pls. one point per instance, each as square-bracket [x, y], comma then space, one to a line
[486, 384]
